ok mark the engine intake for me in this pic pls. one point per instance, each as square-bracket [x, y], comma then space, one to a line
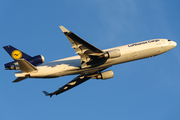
[112, 54]
[105, 75]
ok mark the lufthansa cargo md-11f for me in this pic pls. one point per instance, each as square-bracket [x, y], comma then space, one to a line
[89, 63]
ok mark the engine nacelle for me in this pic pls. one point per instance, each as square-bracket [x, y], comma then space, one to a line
[112, 54]
[105, 75]
[36, 60]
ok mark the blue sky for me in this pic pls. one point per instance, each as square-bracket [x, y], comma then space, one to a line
[147, 89]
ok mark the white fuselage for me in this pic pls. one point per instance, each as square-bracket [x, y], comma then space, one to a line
[72, 65]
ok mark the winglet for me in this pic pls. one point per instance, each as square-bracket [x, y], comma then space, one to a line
[64, 30]
[47, 94]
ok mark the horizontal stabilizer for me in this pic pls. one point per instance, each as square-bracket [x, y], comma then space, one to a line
[19, 79]
[25, 66]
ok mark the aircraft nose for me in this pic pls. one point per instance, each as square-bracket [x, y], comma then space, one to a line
[173, 43]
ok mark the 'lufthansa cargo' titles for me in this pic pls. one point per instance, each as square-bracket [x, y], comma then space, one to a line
[140, 43]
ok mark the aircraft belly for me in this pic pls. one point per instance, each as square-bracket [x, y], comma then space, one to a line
[49, 72]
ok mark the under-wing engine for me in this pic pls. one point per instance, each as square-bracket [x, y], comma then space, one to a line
[105, 75]
[112, 54]
[36, 60]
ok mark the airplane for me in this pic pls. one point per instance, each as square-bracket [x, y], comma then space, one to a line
[89, 63]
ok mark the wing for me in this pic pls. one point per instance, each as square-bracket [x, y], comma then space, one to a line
[83, 48]
[76, 81]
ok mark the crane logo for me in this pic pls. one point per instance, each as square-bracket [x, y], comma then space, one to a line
[16, 54]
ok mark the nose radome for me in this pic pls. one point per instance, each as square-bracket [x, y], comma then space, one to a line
[173, 43]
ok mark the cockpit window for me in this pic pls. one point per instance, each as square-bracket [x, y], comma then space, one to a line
[169, 40]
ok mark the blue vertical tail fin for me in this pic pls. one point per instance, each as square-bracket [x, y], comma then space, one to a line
[15, 53]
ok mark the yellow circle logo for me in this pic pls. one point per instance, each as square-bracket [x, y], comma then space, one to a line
[16, 54]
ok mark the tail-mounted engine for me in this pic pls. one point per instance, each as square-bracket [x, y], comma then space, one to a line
[36, 60]
[14, 66]
[112, 54]
[105, 75]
